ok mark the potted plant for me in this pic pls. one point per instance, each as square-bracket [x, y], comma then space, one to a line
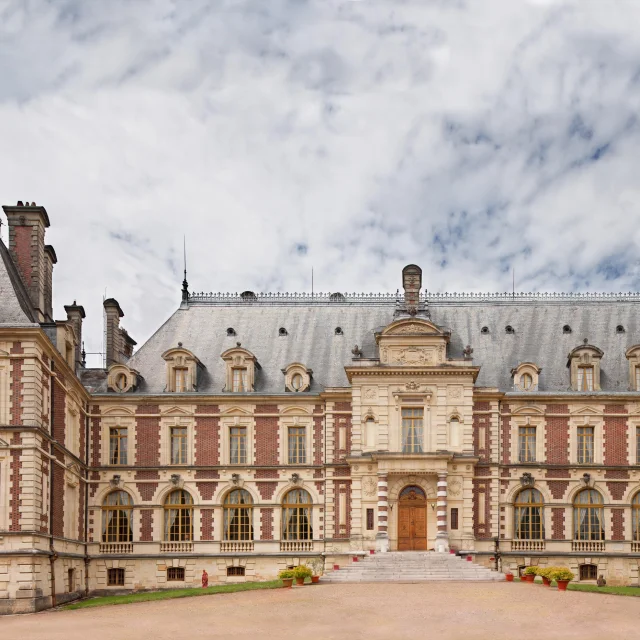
[301, 572]
[562, 576]
[286, 575]
[317, 565]
[544, 574]
[530, 574]
[509, 576]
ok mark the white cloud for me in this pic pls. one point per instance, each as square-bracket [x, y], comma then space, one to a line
[354, 137]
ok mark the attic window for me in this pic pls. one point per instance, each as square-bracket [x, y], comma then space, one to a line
[231, 331]
[566, 329]
[619, 329]
[484, 330]
[336, 297]
[339, 331]
[282, 331]
[248, 296]
[509, 329]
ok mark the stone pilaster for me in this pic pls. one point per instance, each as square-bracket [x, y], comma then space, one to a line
[442, 537]
[382, 537]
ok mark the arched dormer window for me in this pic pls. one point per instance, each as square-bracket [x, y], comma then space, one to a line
[584, 366]
[297, 377]
[182, 370]
[121, 378]
[117, 517]
[588, 512]
[241, 368]
[633, 356]
[526, 376]
[529, 515]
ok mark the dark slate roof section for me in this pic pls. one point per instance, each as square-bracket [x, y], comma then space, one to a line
[537, 321]
[15, 304]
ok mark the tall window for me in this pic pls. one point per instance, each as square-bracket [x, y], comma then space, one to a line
[117, 512]
[585, 445]
[239, 380]
[454, 518]
[637, 445]
[529, 515]
[178, 517]
[585, 378]
[526, 444]
[635, 517]
[238, 510]
[238, 445]
[178, 445]
[588, 516]
[297, 445]
[179, 380]
[296, 516]
[370, 519]
[118, 445]
[637, 378]
[526, 381]
[412, 430]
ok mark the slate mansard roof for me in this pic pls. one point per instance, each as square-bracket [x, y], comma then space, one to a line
[310, 323]
[15, 305]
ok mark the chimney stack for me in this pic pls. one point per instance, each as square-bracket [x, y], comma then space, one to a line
[27, 225]
[119, 345]
[75, 316]
[412, 283]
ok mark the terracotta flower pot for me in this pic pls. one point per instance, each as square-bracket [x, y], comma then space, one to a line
[336, 567]
[300, 581]
[562, 584]
[371, 551]
[546, 582]
[529, 578]
[315, 579]
[287, 582]
[509, 577]
[355, 558]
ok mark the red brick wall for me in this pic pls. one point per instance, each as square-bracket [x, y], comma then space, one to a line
[206, 524]
[148, 437]
[506, 434]
[318, 437]
[207, 474]
[266, 489]
[616, 449]
[59, 427]
[15, 467]
[557, 445]
[44, 517]
[617, 489]
[96, 444]
[266, 436]
[22, 252]
[557, 524]
[16, 385]
[147, 489]
[558, 488]
[146, 525]
[206, 489]
[266, 523]
[342, 486]
[207, 436]
[266, 473]
[617, 524]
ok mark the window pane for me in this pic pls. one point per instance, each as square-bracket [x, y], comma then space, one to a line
[585, 445]
[179, 445]
[118, 445]
[412, 430]
[238, 445]
[297, 445]
[527, 444]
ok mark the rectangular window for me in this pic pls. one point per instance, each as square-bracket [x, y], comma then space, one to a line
[115, 577]
[71, 579]
[588, 572]
[526, 444]
[180, 380]
[239, 380]
[238, 445]
[454, 518]
[178, 445]
[585, 378]
[370, 525]
[235, 571]
[175, 574]
[585, 445]
[412, 430]
[297, 445]
[118, 445]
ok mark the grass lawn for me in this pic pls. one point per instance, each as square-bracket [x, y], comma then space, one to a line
[594, 588]
[169, 594]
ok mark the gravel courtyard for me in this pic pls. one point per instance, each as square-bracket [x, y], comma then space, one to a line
[351, 611]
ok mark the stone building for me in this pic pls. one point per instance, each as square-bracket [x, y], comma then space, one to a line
[252, 432]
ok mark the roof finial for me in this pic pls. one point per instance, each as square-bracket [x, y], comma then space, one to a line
[185, 284]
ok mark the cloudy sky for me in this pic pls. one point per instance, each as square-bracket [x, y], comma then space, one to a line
[469, 136]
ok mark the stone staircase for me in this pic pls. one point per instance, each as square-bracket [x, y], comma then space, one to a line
[411, 566]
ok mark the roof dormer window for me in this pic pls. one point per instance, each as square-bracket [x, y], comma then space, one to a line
[633, 356]
[525, 376]
[584, 367]
[121, 378]
[241, 368]
[182, 370]
[297, 377]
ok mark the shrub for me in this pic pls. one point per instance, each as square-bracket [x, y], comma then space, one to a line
[561, 573]
[531, 571]
[545, 572]
[286, 574]
[302, 571]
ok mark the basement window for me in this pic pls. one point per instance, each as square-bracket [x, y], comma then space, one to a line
[588, 572]
[235, 571]
[115, 577]
[175, 574]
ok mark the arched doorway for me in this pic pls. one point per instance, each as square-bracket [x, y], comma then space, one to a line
[412, 519]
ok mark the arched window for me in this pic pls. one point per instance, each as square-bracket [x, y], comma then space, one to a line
[238, 515]
[296, 516]
[588, 516]
[526, 381]
[454, 432]
[117, 512]
[635, 517]
[529, 515]
[178, 517]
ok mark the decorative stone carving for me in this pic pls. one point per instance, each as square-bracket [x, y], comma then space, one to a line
[527, 480]
[357, 352]
[295, 478]
[454, 487]
[414, 356]
[370, 393]
[467, 352]
[413, 328]
[412, 385]
[586, 480]
[455, 393]
[369, 486]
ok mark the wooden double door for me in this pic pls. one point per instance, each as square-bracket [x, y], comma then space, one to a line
[412, 519]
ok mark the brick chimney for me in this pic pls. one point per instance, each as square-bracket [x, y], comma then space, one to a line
[75, 316]
[119, 345]
[27, 225]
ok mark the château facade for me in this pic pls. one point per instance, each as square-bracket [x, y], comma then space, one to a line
[254, 432]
